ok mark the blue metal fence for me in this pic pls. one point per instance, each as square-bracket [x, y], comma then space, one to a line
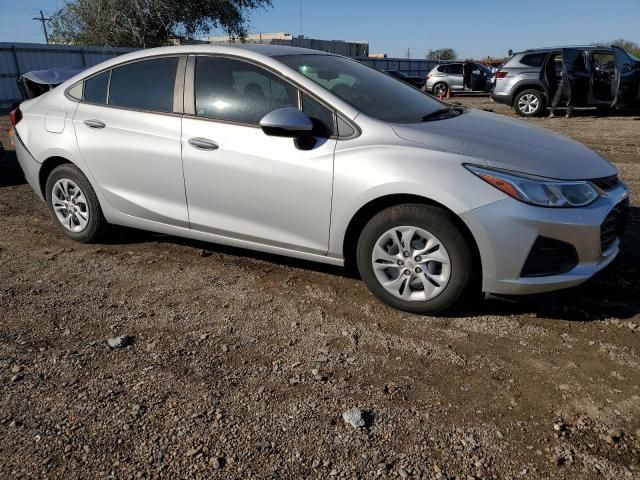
[19, 58]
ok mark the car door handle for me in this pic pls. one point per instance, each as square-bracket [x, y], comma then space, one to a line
[95, 123]
[203, 143]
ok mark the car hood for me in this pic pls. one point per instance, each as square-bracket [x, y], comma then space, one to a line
[509, 144]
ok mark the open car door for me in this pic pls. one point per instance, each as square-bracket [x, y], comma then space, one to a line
[575, 69]
[627, 79]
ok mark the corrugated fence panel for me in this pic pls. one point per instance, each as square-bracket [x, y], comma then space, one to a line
[19, 58]
[8, 90]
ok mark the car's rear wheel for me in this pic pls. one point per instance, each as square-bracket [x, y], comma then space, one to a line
[74, 205]
[440, 89]
[529, 103]
[414, 258]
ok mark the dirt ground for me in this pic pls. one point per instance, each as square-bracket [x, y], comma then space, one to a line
[240, 365]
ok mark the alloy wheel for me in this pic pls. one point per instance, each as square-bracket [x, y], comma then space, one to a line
[70, 205]
[411, 263]
[528, 104]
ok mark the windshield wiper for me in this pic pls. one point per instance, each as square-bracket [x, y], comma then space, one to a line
[439, 113]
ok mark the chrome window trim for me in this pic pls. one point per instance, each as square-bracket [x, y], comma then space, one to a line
[110, 69]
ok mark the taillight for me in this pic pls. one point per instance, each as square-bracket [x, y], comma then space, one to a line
[428, 77]
[15, 116]
[501, 74]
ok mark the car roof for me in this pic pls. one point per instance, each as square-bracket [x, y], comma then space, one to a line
[266, 50]
[264, 53]
[578, 47]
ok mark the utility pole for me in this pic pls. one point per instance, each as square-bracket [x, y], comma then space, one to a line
[301, 34]
[408, 53]
[44, 24]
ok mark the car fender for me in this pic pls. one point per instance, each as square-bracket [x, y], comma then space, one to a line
[363, 175]
[44, 145]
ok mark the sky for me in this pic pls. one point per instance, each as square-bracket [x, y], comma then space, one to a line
[473, 28]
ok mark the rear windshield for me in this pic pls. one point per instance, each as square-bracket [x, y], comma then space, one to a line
[370, 91]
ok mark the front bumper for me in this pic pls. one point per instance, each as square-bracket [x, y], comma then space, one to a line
[506, 231]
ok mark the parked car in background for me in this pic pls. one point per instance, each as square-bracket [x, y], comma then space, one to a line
[459, 78]
[601, 77]
[302, 153]
[414, 81]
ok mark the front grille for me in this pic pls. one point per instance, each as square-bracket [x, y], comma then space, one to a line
[550, 257]
[606, 183]
[614, 225]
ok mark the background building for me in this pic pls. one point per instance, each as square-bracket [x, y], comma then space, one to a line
[340, 47]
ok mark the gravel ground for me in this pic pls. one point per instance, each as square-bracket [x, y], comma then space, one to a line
[241, 365]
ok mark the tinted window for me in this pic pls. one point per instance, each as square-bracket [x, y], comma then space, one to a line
[95, 88]
[238, 91]
[146, 85]
[443, 68]
[455, 69]
[321, 116]
[368, 90]
[533, 59]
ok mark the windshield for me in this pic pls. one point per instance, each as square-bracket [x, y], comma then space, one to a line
[370, 91]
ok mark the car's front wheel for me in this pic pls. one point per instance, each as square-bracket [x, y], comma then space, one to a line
[74, 205]
[529, 103]
[414, 258]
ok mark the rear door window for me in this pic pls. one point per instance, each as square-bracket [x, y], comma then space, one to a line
[95, 88]
[146, 85]
[455, 69]
[238, 91]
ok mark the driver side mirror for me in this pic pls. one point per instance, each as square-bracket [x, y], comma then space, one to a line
[286, 122]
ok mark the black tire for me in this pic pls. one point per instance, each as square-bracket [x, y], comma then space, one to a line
[438, 87]
[438, 222]
[542, 103]
[97, 227]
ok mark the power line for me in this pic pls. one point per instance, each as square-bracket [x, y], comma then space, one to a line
[44, 24]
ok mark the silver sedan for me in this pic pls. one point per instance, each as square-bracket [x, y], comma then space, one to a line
[315, 156]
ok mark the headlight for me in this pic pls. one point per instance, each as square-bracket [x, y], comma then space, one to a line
[539, 191]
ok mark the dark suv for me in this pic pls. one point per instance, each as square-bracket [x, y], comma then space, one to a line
[601, 77]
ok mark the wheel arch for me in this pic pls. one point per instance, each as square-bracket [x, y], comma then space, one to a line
[528, 85]
[367, 211]
[47, 167]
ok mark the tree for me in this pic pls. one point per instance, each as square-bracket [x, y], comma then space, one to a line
[147, 23]
[442, 54]
[632, 47]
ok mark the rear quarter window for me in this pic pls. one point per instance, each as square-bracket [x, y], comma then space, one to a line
[533, 59]
[95, 88]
